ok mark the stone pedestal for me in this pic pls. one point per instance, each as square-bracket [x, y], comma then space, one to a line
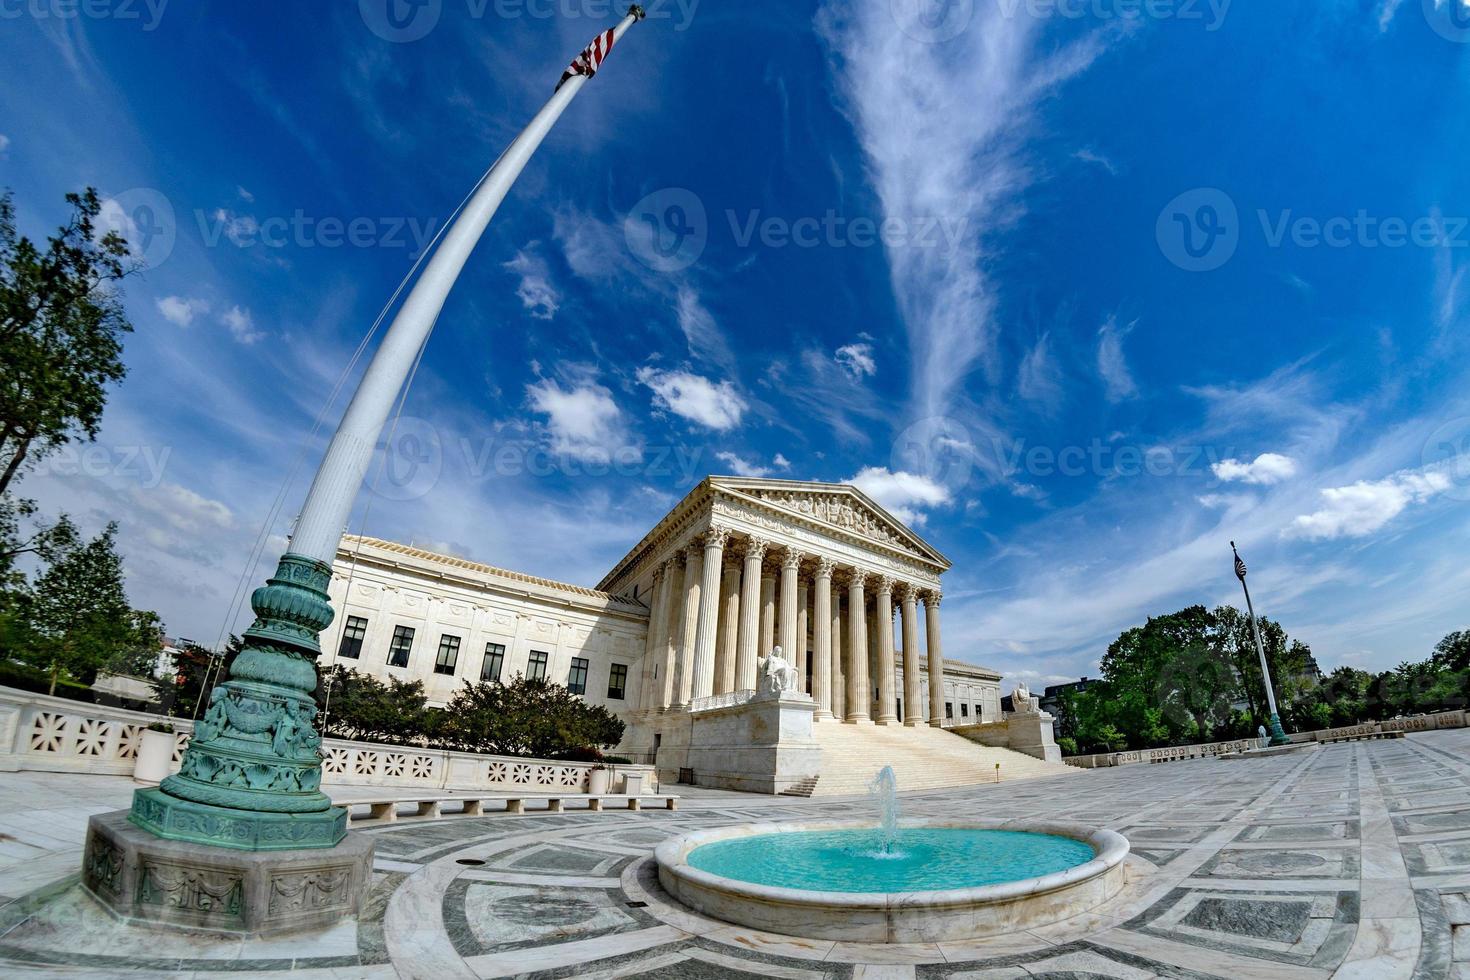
[763, 745]
[1028, 732]
[1031, 733]
[151, 880]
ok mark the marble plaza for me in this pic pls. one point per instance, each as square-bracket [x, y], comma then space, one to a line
[1352, 861]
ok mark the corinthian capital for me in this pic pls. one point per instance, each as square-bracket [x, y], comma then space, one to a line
[756, 547]
[715, 537]
[931, 598]
[791, 558]
[825, 567]
[883, 585]
[857, 578]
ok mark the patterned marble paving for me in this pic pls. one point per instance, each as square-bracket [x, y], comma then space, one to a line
[1350, 861]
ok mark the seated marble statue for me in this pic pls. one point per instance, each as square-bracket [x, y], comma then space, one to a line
[1023, 702]
[777, 676]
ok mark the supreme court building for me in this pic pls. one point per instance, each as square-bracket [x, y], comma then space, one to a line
[738, 567]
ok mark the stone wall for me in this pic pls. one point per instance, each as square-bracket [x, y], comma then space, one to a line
[48, 734]
[1418, 723]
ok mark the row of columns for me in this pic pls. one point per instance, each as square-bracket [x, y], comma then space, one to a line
[712, 617]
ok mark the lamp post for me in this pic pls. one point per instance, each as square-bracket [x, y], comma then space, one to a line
[1278, 737]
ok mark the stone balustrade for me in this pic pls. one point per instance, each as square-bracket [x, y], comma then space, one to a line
[1417, 723]
[50, 734]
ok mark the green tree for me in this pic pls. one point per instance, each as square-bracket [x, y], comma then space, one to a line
[192, 674]
[61, 327]
[77, 620]
[529, 717]
[1453, 652]
[359, 706]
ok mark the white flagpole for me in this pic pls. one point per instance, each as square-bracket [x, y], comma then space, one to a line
[329, 502]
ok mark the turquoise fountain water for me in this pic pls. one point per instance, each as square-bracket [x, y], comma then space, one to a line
[890, 858]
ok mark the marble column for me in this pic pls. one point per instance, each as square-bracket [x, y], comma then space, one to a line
[750, 611]
[839, 670]
[913, 701]
[822, 638]
[688, 625]
[790, 568]
[857, 649]
[658, 615]
[803, 619]
[768, 613]
[727, 653]
[703, 684]
[936, 659]
[883, 620]
[673, 623]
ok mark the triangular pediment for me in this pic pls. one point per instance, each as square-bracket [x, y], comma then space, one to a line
[840, 507]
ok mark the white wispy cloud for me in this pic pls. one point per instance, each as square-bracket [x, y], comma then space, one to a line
[180, 310]
[714, 405]
[1264, 470]
[1363, 507]
[1039, 379]
[702, 333]
[740, 466]
[904, 495]
[857, 360]
[582, 419]
[968, 102]
[1088, 155]
[1387, 9]
[241, 325]
[535, 290]
[1112, 363]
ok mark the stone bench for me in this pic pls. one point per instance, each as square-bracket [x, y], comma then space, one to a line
[1355, 736]
[385, 809]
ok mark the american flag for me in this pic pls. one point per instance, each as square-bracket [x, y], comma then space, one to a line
[591, 57]
[1239, 563]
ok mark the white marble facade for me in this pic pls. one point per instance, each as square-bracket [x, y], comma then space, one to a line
[737, 567]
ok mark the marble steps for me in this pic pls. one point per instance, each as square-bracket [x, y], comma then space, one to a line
[922, 758]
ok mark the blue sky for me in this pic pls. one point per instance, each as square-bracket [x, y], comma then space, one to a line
[1083, 290]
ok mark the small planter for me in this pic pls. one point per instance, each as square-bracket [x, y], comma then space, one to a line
[633, 783]
[155, 755]
[598, 780]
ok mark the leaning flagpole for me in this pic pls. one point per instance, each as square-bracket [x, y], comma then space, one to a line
[329, 502]
[1278, 736]
[250, 778]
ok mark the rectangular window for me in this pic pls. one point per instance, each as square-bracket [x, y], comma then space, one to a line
[949, 709]
[494, 660]
[352, 637]
[401, 646]
[536, 667]
[617, 681]
[964, 711]
[577, 679]
[448, 654]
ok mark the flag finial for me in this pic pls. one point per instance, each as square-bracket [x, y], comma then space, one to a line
[636, 10]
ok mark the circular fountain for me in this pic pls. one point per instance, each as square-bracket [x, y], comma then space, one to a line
[894, 881]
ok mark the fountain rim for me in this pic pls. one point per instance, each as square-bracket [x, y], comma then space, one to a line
[1110, 850]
